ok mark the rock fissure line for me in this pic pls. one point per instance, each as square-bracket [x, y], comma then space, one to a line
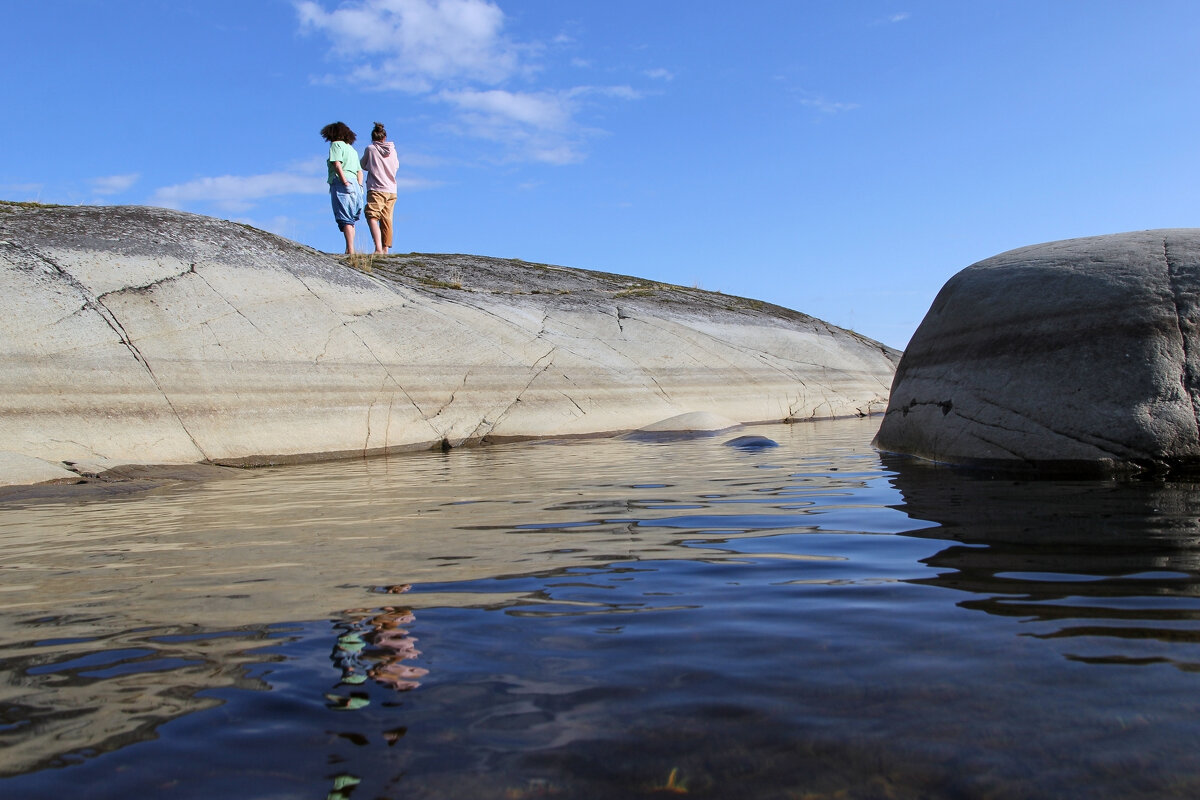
[548, 355]
[346, 324]
[387, 428]
[622, 354]
[371, 407]
[110, 319]
[571, 400]
[1023, 459]
[1007, 429]
[453, 395]
[225, 300]
[1105, 444]
[1100, 443]
[1186, 377]
[701, 347]
[508, 323]
[125, 339]
[151, 285]
[481, 310]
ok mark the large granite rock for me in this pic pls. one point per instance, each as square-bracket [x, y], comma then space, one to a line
[1079, 355]
[140, 335]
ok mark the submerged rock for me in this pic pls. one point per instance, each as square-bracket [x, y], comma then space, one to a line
[692, 422]
[692, 425]
[142, 335]
[752, 443]
[1072, 356]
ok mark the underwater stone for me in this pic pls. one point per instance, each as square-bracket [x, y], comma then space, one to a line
[752, 443]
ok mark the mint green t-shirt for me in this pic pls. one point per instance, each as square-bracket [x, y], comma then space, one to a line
[340, 151]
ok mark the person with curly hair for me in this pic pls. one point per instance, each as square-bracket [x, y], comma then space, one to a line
[381, 163]
[345, 179]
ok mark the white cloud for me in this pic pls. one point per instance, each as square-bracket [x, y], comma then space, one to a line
[113, 184]
[824, 105]
[455, 52]
[239, 192]
[660, 74]
[532, 127]
[545, 110]
[558, 154]
[537, 126]
[620, 92]
[421, 42]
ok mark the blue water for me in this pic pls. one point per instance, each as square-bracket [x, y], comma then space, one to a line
[613, 618]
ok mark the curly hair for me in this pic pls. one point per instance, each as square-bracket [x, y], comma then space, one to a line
[338, 132]
[378, 133]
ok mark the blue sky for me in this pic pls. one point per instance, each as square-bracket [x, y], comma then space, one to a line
[840, 158]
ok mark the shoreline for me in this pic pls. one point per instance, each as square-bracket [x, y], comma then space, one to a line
[130, 479]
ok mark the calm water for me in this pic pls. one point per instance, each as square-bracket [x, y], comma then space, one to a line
[602, 619]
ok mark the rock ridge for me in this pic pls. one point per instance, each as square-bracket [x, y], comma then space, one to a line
[137, 335]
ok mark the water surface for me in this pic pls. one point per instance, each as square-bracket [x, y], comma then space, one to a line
[606, 618]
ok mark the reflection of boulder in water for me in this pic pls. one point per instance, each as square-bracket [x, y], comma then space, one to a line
[1112, 559]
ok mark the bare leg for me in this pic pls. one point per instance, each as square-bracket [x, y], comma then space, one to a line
[348, 231]
[373, 224]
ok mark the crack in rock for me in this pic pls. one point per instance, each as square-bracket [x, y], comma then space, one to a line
[105, 313]
[348, 326]
[1186, 377]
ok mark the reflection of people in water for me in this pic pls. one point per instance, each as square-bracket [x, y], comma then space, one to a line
[375, 644]
[394, 646]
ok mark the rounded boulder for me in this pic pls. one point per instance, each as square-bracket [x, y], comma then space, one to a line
[1073, 356]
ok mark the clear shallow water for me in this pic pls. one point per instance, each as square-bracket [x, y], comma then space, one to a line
[606, 619]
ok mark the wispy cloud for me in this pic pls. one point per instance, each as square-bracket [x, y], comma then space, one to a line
[536, 126]
[824, 104]
[280, 225]
[113, 184]
[455, 52]
[892, 19]
[23, 191]
[545, 110]
[238, 193]
[420, 42]
[660, 74]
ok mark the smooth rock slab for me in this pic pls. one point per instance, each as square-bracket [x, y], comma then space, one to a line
[136, 335]
[1078, 355]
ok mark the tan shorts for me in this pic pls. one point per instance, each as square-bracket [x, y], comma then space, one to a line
[380, 204]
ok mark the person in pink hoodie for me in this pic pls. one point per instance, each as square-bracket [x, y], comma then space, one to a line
[381, 162]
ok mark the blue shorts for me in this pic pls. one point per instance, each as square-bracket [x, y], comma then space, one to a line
[347, 202]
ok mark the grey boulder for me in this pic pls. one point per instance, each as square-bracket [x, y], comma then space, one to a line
[1072, 356]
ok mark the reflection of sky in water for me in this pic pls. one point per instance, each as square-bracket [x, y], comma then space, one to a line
[606, 619]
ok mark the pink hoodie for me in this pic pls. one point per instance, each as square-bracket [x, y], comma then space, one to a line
[381, 162]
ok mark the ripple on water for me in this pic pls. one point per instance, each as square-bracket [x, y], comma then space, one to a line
[606, 619]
